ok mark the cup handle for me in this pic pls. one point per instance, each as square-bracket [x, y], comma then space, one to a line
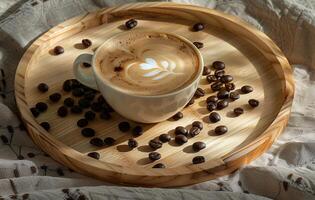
[82, 74]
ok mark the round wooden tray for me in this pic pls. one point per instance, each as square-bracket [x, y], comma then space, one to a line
[251, 57]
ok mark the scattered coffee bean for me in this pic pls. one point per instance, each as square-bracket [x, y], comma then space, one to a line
[194, 131]
[41, 106]
[105, 115]
[211, 78]
[155, 144]
[197, 146]
[216, 86]
[199, 93]
[67, 86]
[137, 131]
[226, 78]
[214, 117]
[238, 111]
[86, 43]
[199, 45]
[164, 138]
[75, 83]
[197, 124]
[43, 87]
[211, 106]
[55, 97]
[96, 107]
[78, 92]
[132, 143]
[212, 99]
[229, 86]
[82, 122]
[206, 71]
[86, 65]
[45, 125]
[88, 132]
[131, 23]
[159, 165]
[97, 142]
[253, 103]
[219, 130]
[35, 112]
[109, 141]
[154, 156]
[180, 130]
[89, 115]
[62, 111]
[234, 96]
[124, 126]
[89, 95]
[191, 101]
[222, 104]
[69, 102]
[223, 94]
[84, 103]
[246, 89]
[178, 116]
[218, 65]
[101, 100]
[180, 139]
[219, 73]
[198, 160]
[198, 26]
[76, 109]
[58, 50]
[94, 155]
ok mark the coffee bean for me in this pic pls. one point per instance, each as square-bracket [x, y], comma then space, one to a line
[159, 165]
[164, 138]
[100, 99]
[213, 99]
[211, 78]
[194, 131]
[75, 83]
[253, 103]
[41, 106]
[88, 132]
[155, 144]
[211, 106]
[214, 117]
[124, 126]
[105, 115]
[58, 50]
[191, 101]
[181, 139]
[86, 43]
[206, 71]
[97, 142]
[197, 146]
[219, 130]
[89, 95]
[180, 130]
[86, 65]
[226, 78]
[55, 97]
[78, 92]
[234, 96]
[154, 156]
[238, 111]
[35, 112]
[216, 86]
[222, 104]
[84, 103]
[76, 109]
[219, 73]
[218, 65]
[223, 94]
[82, 122]
[62, 111]
[89, 115]
[197, 124]
[132, 143]
[67, 86]
[96, 107]
[94, 155]
[109, 141]
[69, 102]
[137, 131]
[199, 45]
[199, 93]
[131, 23]
[198, 160]
[45, 125]
[229, 86]
[178, 116]
[246, 89]
[198, 26]
[42, 87]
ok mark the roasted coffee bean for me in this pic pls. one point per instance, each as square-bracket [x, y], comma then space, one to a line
[198, 160]
[86, 65]
[197, 146]
[67, 86]
[100, 99]
[35, 112]
[86, 43]
[55, 97]
[154, 156]
[219, 130]
[194, 131]
[132, 143]
[180, 139]
[164, 138]
[84, 103]
[219, 74]
[131, 23]
[226, 78]
[82, 122]
[222, 104]
[214, 117]
[89, 95]
[41, 106]
[199, 93]
[109, 141]
[253, 103]
[180, 130]
[62, 111]
[246, 89]
[124, 126]
[178, 116]
[198, 26]
[69, 102]
[45, 125]
[43, 87]
[206, 71]
[238, 111]
[213, 99]
[97, 142]
[96, 107]
[199, 45]
[197, 124]
[211, 106]
[89, 115]
[88, 132]
[94, 155]
[155, 144]
[137, 131]
[105, 115]
[211, 78]
[229, 86]
[78, 92]
[234, 96]
[159, 165]
[216, 86]
[75, 83]
[223, 94]
[191, 101]
[76, 109]
[218, 65]
[58, 50]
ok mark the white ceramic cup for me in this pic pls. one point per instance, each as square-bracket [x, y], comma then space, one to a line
[145, 109]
